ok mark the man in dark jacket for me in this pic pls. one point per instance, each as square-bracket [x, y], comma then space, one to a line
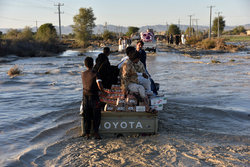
[143, 55]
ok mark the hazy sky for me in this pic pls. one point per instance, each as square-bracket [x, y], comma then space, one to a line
[21, 13]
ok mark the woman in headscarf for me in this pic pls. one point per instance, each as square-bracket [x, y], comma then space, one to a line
[103, 69]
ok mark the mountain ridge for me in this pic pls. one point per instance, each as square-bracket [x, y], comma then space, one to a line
[123, 29]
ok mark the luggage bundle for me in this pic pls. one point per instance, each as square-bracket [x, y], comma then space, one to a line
[117, 102]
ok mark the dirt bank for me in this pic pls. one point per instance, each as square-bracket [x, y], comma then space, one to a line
[193, 51]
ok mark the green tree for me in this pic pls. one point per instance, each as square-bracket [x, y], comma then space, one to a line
[46, 33]
[71, 35]
[26, 34]
[221, 25]
[238, 30]
[192, 30]
[173, 29]
[108, 35]
[132, 30]
[12, 34]
[84, 24]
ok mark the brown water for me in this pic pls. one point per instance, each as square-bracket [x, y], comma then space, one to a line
[205, 123]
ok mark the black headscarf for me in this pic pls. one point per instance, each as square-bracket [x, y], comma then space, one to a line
[101, 60]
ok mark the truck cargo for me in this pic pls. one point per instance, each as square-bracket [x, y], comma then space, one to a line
[127, 115]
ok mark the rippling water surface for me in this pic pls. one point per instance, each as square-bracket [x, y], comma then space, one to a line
[40, 107]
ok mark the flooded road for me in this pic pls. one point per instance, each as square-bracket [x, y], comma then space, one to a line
[205, 123]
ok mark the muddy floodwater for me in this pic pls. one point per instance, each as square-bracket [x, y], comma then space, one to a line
[206, 121]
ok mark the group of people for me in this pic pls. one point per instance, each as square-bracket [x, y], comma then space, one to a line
[123, 43]
[177, 39]
[134, 78]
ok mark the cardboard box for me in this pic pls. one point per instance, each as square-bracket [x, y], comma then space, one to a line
[141, 103]
[107, 90]
[130, 108]
[158, 107]
[140, 108]
[120, 108]
[109, 101]
[120, 102]
[158, 100]
[131, 101]
[116, 87]
[109, 107]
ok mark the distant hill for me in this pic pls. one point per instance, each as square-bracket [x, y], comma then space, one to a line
[100, 28]
[247, 26]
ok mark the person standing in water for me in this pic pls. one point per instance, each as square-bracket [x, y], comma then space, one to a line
[171, 39]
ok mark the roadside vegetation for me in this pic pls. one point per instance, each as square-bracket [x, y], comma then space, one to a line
[200, 40]
[25, 43]
[14, 71]
[213, 44]
[45, 42]
[237, 38]
[83, 37]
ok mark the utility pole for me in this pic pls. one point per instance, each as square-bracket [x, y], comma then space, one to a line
[179, 21]
[116, 29]
[105, 26]
[59, 14]
[218, 33]
[167, 25]
[193, 25]
[190, 25]
[196, 21]
[197, 27]
[119, 31]
[36, 26]
[210, 20]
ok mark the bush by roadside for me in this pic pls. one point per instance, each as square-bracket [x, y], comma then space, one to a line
[25, 43]
[213, 44]
[193, 40]
[28, 48]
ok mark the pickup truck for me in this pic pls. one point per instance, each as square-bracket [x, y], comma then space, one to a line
[127, 115]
